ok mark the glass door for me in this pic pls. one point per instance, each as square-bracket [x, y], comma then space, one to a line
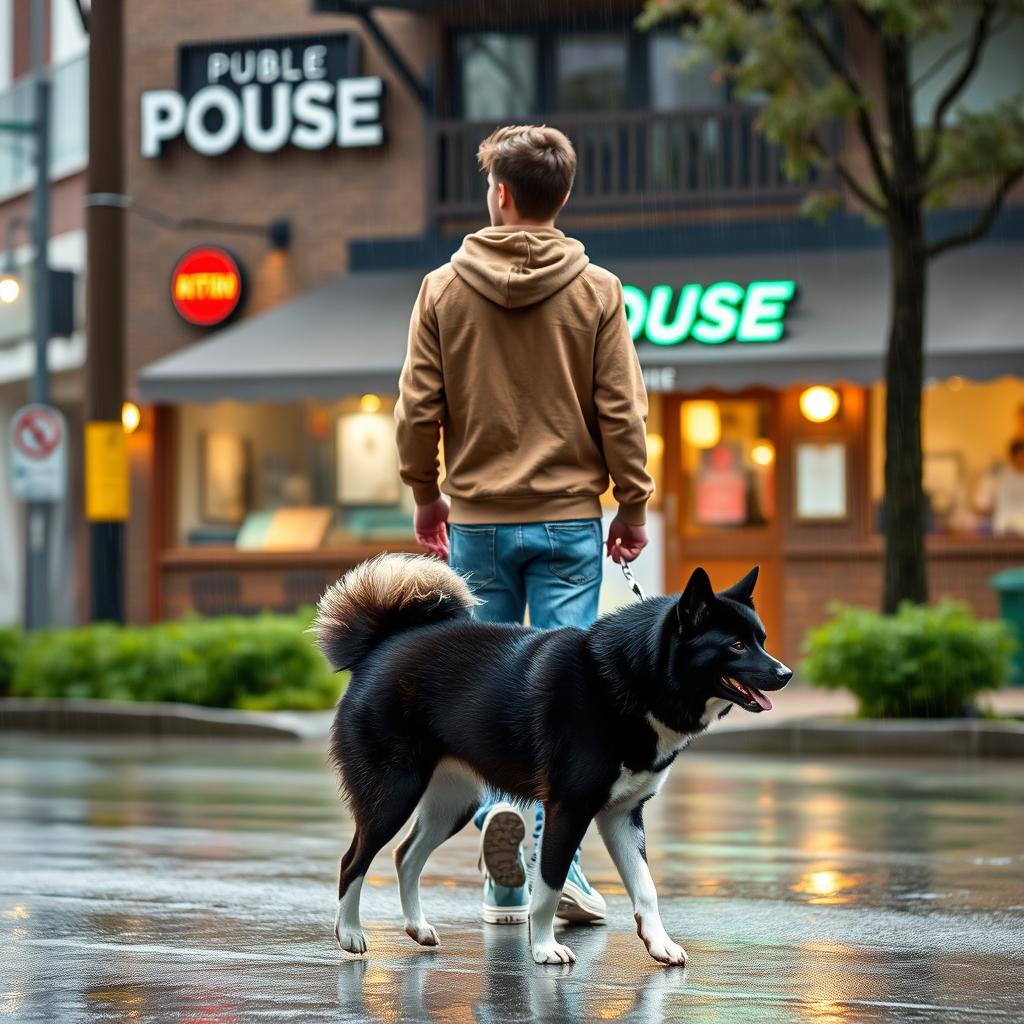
[720, 482]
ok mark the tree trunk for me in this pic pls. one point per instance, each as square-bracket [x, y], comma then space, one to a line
[905, 567]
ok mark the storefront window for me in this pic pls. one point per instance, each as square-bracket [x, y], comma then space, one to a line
[676, 84]
[728, 463]
[592, 72]
[973, 479]
[498, 75]
[293, 477]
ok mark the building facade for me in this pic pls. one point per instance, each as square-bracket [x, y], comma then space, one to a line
[67, 46]
[264, 463]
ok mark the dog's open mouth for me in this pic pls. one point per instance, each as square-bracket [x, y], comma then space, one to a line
[747, 697]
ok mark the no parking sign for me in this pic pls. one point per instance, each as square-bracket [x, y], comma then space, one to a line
[39, 460]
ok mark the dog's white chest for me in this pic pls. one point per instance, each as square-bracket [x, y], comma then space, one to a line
[632, 787]
[713, 711]
[668, 740]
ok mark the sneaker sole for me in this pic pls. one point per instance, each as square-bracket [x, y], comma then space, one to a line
[576, 906]
[505, 915]
[501, 843]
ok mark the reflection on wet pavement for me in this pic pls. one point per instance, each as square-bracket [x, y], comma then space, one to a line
[192, 882]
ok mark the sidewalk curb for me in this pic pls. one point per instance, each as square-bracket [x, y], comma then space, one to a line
[915, 737]
[971, 737]
[103, 717]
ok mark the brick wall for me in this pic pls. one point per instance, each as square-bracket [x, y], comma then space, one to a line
[330, 197]
[855, 577]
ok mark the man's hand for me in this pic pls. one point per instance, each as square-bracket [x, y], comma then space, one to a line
[431, 527]
[625, 542]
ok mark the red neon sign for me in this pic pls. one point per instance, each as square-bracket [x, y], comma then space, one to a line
[206, 286]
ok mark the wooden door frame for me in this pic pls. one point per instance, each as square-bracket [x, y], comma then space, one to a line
[757, 545]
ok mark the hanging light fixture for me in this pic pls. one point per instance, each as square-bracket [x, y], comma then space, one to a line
[819, 403]
[762, 453]
[10, 288]
[131, 417]
[702, 424]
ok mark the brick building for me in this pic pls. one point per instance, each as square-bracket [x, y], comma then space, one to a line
[264, 464]
[67, 54]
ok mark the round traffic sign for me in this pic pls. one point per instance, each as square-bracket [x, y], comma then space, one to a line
[38, 432]
[207, 286]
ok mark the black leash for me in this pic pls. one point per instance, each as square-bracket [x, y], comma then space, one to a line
[631, 580]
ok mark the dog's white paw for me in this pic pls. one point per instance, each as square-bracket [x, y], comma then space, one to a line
[353, 942]
[665, 951]
[552, 953]
[423, 933]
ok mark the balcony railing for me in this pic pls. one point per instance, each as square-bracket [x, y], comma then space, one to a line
[69, 126]
[628, 161]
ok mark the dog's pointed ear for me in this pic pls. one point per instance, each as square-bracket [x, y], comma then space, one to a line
[695, 600]
[743, 590]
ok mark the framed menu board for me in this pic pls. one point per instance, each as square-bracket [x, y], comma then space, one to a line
[819, 493]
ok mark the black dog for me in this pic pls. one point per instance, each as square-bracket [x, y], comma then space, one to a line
[586, 721]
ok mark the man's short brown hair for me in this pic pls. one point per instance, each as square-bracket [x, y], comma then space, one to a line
[536, 163]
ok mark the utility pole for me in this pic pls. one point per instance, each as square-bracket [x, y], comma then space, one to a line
[105, 306]
[37, 525]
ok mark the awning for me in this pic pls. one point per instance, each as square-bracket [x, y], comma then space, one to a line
[349, 336]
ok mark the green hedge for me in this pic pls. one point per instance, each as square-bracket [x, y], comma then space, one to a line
[922, 662]
[261, 663]
[11, 645]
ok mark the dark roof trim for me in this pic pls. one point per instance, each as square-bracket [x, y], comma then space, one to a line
[704, 239]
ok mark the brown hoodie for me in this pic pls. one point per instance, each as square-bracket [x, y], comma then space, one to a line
[519, 349]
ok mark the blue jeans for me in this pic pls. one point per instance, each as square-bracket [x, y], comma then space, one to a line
[552, 568]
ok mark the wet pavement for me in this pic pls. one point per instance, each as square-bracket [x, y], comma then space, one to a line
[192, 882]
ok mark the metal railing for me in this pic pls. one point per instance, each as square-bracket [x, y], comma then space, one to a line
[629, 160]
[69, 127]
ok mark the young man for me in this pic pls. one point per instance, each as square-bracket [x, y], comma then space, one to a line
[519, 349]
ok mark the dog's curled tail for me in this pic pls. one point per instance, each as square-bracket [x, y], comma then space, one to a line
[382, 597]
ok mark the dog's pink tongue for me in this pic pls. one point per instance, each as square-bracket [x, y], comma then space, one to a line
[762, 700]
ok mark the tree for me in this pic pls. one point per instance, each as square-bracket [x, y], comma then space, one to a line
[820, 63]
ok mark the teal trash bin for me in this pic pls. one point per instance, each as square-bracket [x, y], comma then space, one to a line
[1009, 584]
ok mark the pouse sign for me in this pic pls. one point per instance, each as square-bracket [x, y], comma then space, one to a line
[712, 314]
[302, 91]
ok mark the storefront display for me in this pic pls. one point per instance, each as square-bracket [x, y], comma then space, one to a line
[266, 462]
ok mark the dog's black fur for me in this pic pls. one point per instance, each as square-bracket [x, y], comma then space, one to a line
[558, 715]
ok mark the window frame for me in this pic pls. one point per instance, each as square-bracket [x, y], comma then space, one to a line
[545, 36]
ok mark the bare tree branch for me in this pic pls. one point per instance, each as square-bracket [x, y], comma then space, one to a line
[834, 161]
[979, 37]
[867, 131]
[983, 223]
[83, 14]
[939, 63]
[871, 20]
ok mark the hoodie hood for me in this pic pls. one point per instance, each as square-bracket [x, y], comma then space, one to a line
[515, 266]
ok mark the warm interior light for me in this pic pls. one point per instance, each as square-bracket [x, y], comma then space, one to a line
[819, 403]
[369, 403]
[763, 453]
[655, 446]
[131, 417]
[10, 289]
[702, 424]
[955, 383]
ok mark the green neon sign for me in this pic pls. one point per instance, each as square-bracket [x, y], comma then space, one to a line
[723, 311]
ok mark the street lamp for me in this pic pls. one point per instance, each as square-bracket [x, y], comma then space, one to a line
[37, 520]
[10, 288]
[10, 282]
